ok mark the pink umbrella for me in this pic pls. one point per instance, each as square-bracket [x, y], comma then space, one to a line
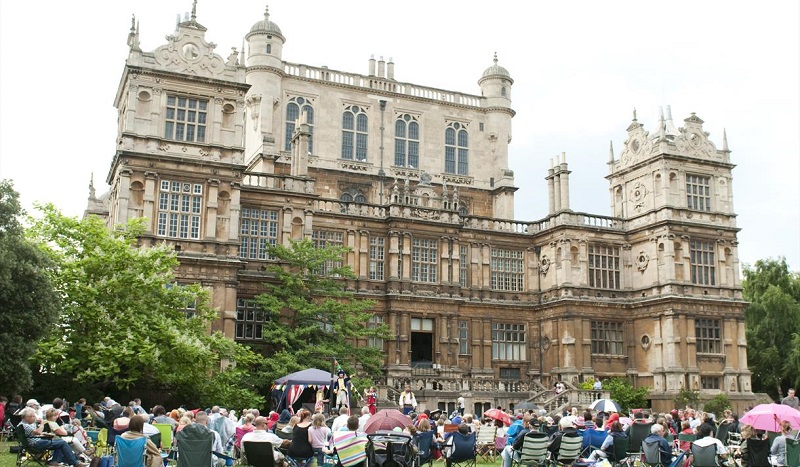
[386, 420]
[768, 417]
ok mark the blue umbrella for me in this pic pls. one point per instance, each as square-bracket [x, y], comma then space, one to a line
[605, 405]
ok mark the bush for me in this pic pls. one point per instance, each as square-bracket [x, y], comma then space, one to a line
[687, 397]
[718, 404]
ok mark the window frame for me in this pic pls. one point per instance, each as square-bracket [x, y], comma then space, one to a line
[698, 192]
[246, 236]
[456, 149]
[304, 105]
[509, 341]
[702, 262]
[357, 133]
[507, 270]
[246, 307]
[605, 269]
[321, 238]
[377, 258]
[424, 260]
[406, 145]
[708, 336]
[607, 338]
[177, 119]
[179, 212]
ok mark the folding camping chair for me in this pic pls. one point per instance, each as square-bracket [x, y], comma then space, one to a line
[569, 451]
[130, 452]
[350, 448]
[194, 446]
[258, 454]
[485, 443]
[792, 452]
[463, 450]
[638, 432]
[651, 450]
[758, 453]
[424, 442]
[28, 453]
[533, 453]
[704, 456]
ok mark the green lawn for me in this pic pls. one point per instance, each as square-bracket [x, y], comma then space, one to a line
[9, 460]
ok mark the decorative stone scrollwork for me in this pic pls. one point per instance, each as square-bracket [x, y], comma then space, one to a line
[458, 179]
[544, 264]
[353, 165]
[642, 260]
[426, 214]
[638, 195]
[645, 342]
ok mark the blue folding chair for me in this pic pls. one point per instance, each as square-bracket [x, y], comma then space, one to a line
[130, 452]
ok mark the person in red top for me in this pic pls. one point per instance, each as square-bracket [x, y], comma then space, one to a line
[372, 399]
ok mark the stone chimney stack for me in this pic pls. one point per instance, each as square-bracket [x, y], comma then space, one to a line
[551, 204]
[381, 68]
[390, 69]
[564, 183]
[372, 65]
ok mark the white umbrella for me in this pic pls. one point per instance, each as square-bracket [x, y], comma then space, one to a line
[605, 405]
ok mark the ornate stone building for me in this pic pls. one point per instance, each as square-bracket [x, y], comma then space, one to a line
[227, 155]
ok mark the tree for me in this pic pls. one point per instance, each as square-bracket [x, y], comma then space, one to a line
[772, 325]
[623, 393]
[126, 323]
[28, 303]
[311, 318]
[687, 397]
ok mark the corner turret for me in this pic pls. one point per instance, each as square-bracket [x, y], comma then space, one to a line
[264, 43]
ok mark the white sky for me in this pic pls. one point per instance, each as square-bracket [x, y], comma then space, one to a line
[579, 68]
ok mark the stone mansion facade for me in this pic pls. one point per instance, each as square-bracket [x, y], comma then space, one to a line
[227, 155]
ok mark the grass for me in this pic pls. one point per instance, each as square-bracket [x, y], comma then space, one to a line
[10, 460]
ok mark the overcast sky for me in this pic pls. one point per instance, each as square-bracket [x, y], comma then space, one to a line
[579, 69]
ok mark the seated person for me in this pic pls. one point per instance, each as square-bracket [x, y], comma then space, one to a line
[261, 435]
[61, 452]
[511, 451]
[135, 430]
[51, 426]
[657, 433]
[607, 448]
[708, 439]
[565, 428]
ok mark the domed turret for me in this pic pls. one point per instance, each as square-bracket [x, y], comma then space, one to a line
[496, 71]
[496, 85]
[266, 25]
[265, 43]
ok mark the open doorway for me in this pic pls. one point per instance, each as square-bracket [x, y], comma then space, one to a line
[421, 349]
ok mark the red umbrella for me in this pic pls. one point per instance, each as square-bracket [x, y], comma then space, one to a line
[386, 419]
[498, 414]
[768, 417]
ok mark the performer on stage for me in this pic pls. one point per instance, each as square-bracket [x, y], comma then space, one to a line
[341, 388]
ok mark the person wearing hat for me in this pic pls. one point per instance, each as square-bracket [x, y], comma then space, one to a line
[407, 401]
[341, 389]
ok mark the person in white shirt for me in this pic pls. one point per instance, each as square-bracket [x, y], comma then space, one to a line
[707, 440]
[340, 421]
[201, 418]
[261, 435]
[362, 420]
[407, 402]
[460, 402]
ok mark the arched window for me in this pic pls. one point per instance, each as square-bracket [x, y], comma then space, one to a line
[456, 149]
[354, 133]
[293, 109]
[406, 141]
[269, 48]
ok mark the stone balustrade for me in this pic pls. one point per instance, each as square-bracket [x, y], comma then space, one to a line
[381, 84]
[278, 182]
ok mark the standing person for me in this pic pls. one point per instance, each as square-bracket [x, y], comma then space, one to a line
[341, 389]
[371, 395]
[598, 385]
[791, 400]
[407, 402]
[460, 402]
[3, 403]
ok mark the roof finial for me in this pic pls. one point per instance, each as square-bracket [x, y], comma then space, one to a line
[194, 11]
[725, 140]
[495, 58]
[634, 114]
[611, 151]
[133, 22]
[266, 15]
[92, 193]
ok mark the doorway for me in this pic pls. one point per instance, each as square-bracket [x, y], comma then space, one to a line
[421, 349]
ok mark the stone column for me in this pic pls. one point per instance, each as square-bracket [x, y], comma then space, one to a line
[406, 253]
[394, 251]
[211, 209]
[445, 278]
[363, 255]
[150, 199]
[123, 196]
[235, 208]
[486, 273]
[288, 218]
[564, 183]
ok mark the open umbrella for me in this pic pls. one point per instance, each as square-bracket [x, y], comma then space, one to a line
[386, 420]
[605, 405]
[498, 414]
[768, 417]
[527, 405]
